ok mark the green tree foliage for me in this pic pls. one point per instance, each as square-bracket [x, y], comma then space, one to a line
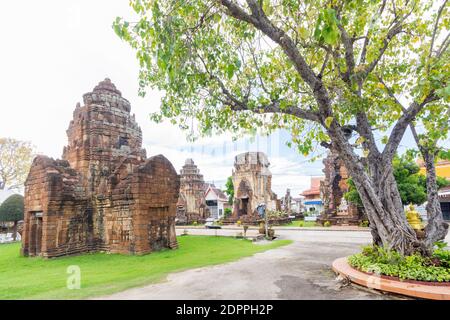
[411, 184]
[229, 189]
[444, 154]
[12, 208]
[210, 63]
[319, 69]
[227, 212]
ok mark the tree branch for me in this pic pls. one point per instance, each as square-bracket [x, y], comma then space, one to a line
[260, 21]
[274, 107]
[349, 55]
[391, 93]
[395, 29]
[362, 58]
[402, 123]
[433, 37]
[443, 46]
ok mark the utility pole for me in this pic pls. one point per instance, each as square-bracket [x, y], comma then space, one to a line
[266, 218]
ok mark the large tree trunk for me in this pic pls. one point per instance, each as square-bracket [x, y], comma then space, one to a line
[382, 203]
[381, 200]
[436, 228]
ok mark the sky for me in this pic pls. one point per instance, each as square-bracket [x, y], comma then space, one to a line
[54, 51]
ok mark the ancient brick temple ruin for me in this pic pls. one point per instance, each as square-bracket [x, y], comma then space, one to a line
[191, 206]
[104, 194]
[252, 182]
[336, 209]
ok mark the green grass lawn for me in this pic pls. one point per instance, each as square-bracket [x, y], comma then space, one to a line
[101, 273]
[301, 223]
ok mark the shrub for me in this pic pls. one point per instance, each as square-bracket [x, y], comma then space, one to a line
[441, 254]
[12, 210]
[301, 223]
[383, 261]
[274, 214]
[327, 224]
[262, 228]
[364, 224]
[194, 223]
[227, 212]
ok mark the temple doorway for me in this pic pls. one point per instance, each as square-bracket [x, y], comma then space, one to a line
[36, 234]
[243, 210]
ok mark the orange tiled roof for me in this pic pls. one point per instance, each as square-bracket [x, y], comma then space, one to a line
[315, 187]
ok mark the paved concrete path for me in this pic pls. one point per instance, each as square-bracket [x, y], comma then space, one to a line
[301, 270]
[315, 228]
[361, 237]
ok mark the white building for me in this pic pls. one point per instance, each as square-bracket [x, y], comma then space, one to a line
[312, 198]
[216, 201]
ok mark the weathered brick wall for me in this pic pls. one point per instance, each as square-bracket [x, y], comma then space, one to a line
[105, 194]
[56, 218]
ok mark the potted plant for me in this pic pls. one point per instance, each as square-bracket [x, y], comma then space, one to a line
[262, 229]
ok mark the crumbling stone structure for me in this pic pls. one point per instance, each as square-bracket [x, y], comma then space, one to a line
[286, 202]
[252, 182]
[336, 209]
[191, 206]
[104, 194]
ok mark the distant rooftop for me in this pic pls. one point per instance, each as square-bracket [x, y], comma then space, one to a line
[315, 187]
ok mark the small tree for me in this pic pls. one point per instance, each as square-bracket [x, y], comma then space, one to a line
[229, 189]
[11, 210]
[227, 212]
[15, 162]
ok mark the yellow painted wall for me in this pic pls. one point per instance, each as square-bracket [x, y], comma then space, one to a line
[442, 170]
